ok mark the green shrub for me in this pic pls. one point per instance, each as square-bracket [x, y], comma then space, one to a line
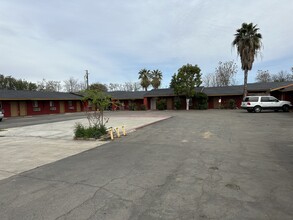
[143, 107]
[177, 103]
[231, 104]
[162, 104]
[132, 106]
[201, 101]
[79, 131]
[95, 132]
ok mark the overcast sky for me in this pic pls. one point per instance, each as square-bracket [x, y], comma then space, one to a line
[114, 39]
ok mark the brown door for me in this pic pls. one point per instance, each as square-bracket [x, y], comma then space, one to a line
[62, 108]
[169, 103]
[14, 109]
[22, 109]
[216, 102]
[78, 109]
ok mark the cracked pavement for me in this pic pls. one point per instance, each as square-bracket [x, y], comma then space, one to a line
[215, 164]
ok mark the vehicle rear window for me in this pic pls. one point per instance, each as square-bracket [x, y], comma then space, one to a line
[251, 99]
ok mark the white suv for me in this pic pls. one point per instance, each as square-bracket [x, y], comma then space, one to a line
[258, 103]
[1, 115]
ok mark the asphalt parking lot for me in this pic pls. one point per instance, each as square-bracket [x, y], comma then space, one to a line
[215, 164]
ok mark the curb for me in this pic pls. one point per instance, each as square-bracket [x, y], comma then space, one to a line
[142, 126]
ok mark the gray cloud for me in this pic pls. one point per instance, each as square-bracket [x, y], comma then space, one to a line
[115, 39]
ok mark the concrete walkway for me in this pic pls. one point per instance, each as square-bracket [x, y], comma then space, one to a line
[28, 147]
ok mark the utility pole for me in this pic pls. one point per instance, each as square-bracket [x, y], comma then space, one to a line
[87, 79]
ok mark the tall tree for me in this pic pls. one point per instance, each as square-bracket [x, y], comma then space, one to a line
[263, 76]
[144, 76]
[225, 72]
[10, 83]
[157, 77]
[248, 43]
[185, 81]
[98, 87]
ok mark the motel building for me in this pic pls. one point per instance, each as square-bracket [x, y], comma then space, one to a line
[28, 103]
[15, 103]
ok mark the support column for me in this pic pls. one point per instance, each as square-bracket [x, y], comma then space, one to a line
[145, 102]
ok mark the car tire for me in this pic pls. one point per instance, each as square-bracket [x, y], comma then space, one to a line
[285, 108]
[257, 109]
[0, 119]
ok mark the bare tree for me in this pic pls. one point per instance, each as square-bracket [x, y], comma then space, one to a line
[127, 86]
[223, 76]
[82, 86]
[282, 76]
[225, 73]
[54, 86]
[50, 86]
[209, 80]
[72, 85]
[114, 87]
[136, 86]
[263, 76]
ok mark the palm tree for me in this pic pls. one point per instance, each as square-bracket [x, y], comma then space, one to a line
[248, 43]
[156, 78]
[144, 76]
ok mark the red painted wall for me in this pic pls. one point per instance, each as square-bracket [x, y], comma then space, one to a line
[42, 109]
[69, 108]
[210, 102]
[6, 108]
[224, 101]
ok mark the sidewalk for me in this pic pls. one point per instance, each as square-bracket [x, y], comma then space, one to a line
[28, 147]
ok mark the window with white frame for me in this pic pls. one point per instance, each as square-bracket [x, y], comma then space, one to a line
[52, 106]
[70, 105]
[35, 104]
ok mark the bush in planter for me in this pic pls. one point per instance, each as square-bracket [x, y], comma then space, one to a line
[95, 132]
[201, 101]
[79, 131]
[162, 104]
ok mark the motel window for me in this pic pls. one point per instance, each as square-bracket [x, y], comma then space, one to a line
[52, 106]
[69, 103]
[0, 105]
[35, 104]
